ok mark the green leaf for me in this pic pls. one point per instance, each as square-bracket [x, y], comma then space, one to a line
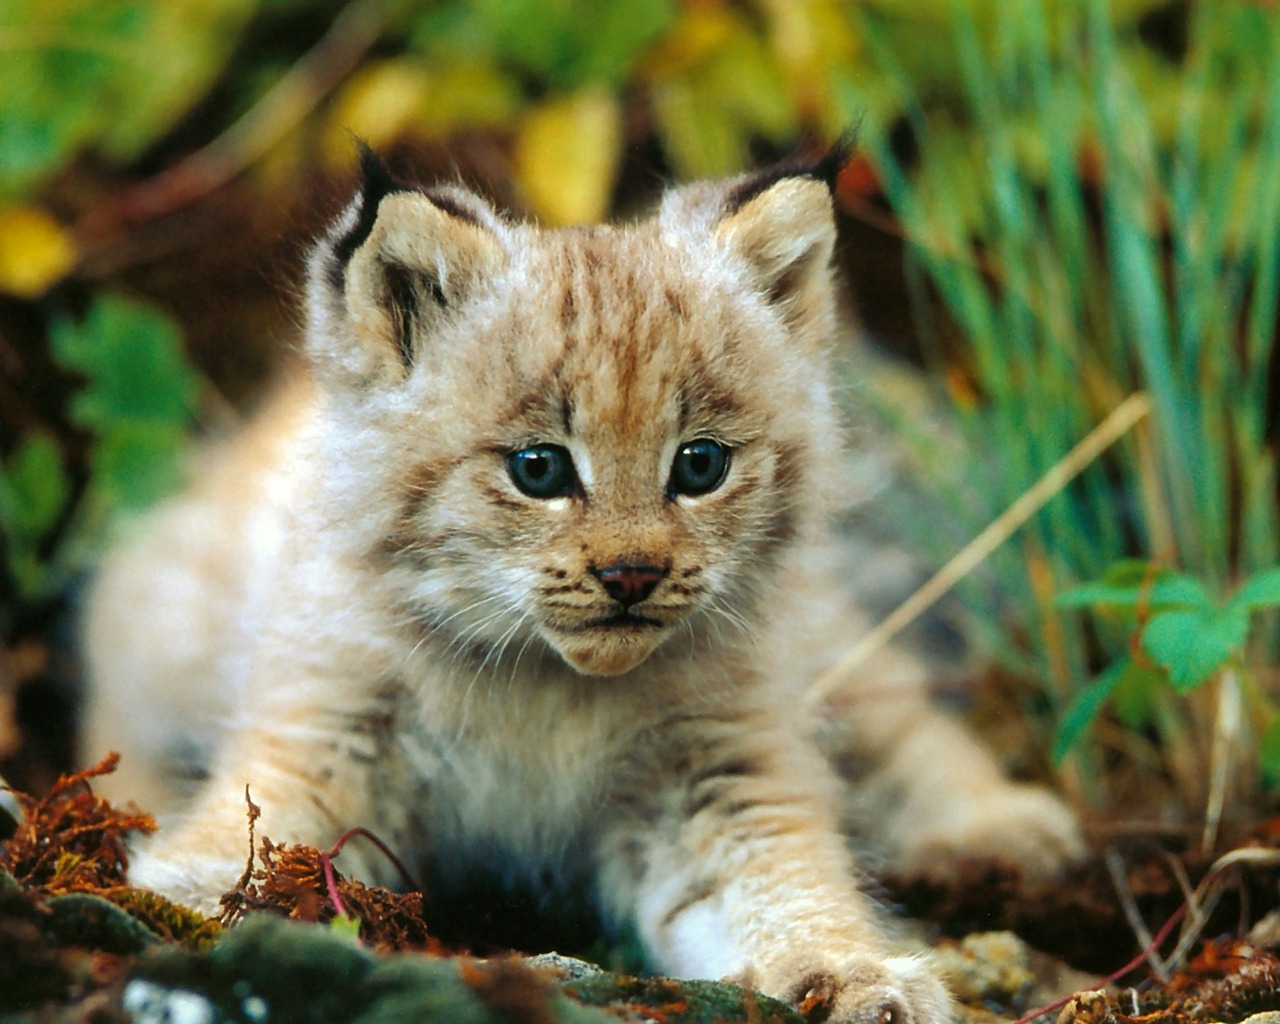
[186, 48]
[564, 44]
[1269, 751]
[611, 37]
[132, 355]
[1262, 590]
[137, 399]
[135, 464]
[347, 925]
[1119, 585]
[1129, 584]
[1127, 572]
[1099, 595]
[744, 82]
[33, 488]
[1136, 693]
[697, 138]
[1192, 645]
[114, 76]
[1179, 590]
[1085, 706]
[708, 112]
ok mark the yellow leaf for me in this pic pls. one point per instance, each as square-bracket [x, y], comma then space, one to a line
[378, 105]
[700, 140]
[701, 31]
[466, 95]
[567, 156]
[810, 38]
[35, 251]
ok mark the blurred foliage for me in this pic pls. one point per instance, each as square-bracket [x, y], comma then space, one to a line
[556, 45]
[570, 82]
[1179, 637]
[1089, 194]
[109, 76]
[1135, 246]
[136, 404]
[137, 400]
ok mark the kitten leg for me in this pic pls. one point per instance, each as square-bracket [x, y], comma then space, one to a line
[926, 791]
[735, 867]
[155, 654]
[923, 793]
[312, 779]
[941, 799]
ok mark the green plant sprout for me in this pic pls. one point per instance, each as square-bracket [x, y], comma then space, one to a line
[1180, 639]
[1179, 636]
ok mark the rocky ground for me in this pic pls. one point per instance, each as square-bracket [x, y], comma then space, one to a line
[299, 942]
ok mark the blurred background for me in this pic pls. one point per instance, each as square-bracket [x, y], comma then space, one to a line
[1055, 204]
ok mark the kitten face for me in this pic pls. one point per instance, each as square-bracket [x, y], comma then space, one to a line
[604, 439]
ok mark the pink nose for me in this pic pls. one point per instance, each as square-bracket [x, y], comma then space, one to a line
[629, 584]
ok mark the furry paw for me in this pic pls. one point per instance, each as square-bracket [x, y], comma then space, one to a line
[869, 990]
[1026, 827]
[193, 880]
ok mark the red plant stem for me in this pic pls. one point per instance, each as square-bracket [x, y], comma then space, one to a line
[331, 884]
[1159, 937]
[386, 852]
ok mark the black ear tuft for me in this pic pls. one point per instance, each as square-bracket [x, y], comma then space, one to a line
[377, 180]
[825, 169]
[837, 157]
[376, 184]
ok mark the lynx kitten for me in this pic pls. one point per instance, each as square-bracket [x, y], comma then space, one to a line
[528, 574]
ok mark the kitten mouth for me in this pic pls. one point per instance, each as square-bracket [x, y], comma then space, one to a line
[624, 620]
[610, 644]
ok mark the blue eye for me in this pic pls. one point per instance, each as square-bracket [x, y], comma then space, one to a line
[543, 471]
[700, 466]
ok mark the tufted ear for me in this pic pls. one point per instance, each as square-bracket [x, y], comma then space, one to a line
[396, 266]
[785, 233]
[780, 222]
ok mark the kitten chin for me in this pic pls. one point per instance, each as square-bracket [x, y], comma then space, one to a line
[608, 650]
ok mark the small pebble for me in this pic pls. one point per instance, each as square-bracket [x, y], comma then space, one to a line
[563, 968]
[149, 1003]
[986, 966]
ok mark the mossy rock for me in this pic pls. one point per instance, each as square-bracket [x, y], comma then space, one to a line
[91, 922]
[273, 969]
[681, 1002]
[268, 968]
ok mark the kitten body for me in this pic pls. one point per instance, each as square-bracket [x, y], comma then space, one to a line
[478, 582]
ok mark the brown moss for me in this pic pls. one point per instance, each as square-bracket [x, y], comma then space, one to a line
[1229, 980]
[289, 881]
[72, 840]
[519, 993]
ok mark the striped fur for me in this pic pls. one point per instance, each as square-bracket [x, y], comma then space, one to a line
[357, 612]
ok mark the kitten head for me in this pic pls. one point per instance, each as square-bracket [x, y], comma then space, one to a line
[592, 441]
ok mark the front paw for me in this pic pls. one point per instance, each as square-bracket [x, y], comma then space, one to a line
[868, 990]
[1021, 826]
[192, 879]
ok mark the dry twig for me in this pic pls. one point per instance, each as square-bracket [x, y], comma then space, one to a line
[1115, 426]
[353, 32]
